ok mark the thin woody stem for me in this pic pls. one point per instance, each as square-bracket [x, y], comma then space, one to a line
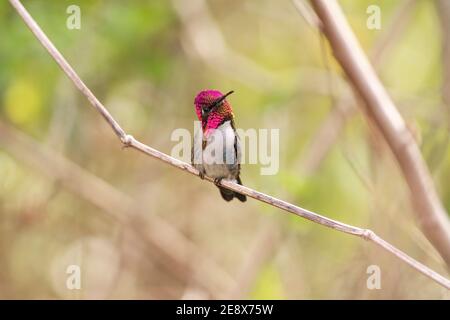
[129, 141]
[430, 212]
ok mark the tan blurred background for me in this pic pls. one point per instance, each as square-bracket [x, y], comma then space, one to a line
[138, 228]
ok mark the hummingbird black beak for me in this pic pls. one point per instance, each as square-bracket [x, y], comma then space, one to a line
[220, 100]
[213, 105]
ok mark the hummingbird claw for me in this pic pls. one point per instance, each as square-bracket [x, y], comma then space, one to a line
[201, 174]
[217, 181]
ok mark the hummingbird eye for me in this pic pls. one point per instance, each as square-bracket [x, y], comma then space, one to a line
[206, 108]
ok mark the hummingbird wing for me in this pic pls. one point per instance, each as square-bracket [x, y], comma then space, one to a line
[197, 150]
[237, 147]
[232, 154]
[235, 157]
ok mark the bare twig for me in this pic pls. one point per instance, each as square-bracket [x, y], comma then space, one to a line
[129, 141]
[344, 107]
[443, 7]
[207, 41]
[431, 215]
[261, 249]
[308, 14]
[173, 249]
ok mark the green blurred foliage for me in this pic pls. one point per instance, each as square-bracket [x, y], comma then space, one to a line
[139, 61]
[268, 285]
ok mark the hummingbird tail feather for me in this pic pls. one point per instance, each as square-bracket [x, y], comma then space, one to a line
[228, 195]
[240, 196]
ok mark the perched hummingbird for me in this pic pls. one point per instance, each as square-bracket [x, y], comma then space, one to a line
[219, 153]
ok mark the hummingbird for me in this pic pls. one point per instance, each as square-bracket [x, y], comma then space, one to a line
[219, 153]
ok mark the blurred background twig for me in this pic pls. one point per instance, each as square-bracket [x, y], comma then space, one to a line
[342, 110]
[172, 249]
[146, 61]
[129, 141]
[430, 213]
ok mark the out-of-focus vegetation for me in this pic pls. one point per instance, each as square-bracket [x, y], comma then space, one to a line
[141, 61]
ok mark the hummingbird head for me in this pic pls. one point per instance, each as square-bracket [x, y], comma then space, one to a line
[212, 108]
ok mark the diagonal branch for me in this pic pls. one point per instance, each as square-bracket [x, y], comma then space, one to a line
[342, 109]
[129, 141]
[172, 249]
[430, 212]
[204, 38]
